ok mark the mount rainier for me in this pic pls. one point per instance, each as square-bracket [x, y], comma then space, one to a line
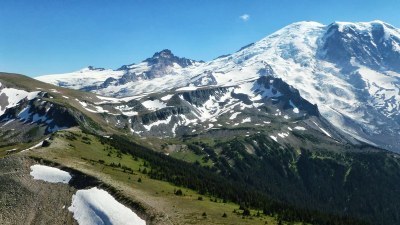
[351, 71]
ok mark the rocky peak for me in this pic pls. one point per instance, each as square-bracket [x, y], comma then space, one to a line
[167, 58]
[166, 53]
[92, 68]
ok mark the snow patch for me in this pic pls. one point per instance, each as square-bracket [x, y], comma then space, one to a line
[299, 128]
[167, 97]
[295, 109]
[154, 105]
[159, 122]
[14, 96]
[191, 88]
[33, 147]
[246, 120]
[283, 135]
[96, 206]
[325, 132]
[49, 174]
[234, 115]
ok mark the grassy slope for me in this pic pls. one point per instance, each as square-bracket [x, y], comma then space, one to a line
[157, 195]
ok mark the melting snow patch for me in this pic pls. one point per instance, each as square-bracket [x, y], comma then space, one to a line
[35, 146]
[187, 89]
[278, 112]
[325, 132]
[132, 113]
[167, 97]
[247, 120]
[154, 105]
[299, 128]
[84, 104]
[166, 121]
[295, 109]
[49, 174]
[96, 206]
[9, 121]
[283, 135]
[274, 138]
[234, 115]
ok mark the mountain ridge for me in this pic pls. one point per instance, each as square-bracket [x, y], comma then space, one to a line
[342, 67]
[257, 143]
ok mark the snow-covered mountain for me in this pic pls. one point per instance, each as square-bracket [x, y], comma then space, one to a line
[32, 109]
[350, 70]
[28, 115]
[164, 70]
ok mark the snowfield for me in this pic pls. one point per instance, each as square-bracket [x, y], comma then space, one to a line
[14, 96]
[49, 174]
[96, 206]
[79, 79]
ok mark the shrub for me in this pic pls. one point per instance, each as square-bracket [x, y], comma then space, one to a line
[179, 192]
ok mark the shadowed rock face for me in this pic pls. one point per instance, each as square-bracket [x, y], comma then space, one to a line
[3, 101]
[289, 94]
[165, 57]
[161, 62]
[373, 49]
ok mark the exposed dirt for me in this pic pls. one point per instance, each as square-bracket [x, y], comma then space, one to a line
[24, 200]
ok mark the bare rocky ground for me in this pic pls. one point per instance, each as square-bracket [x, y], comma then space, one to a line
[24, 200]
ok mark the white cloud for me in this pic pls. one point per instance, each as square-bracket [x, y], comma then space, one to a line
[245, 17]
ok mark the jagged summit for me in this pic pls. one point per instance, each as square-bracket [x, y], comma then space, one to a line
[166, 53]
[92, 68]
[167, 58]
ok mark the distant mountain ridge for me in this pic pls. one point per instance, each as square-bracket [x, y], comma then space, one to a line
[350, 70]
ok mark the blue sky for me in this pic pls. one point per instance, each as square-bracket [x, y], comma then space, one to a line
[55, 36]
